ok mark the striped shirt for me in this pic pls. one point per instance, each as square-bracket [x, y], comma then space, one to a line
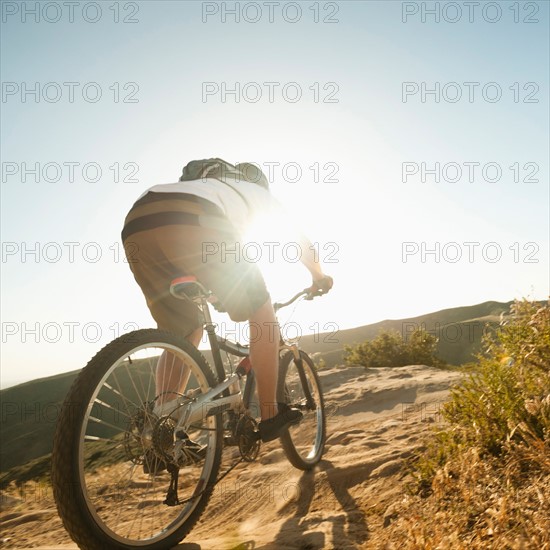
[240, 201]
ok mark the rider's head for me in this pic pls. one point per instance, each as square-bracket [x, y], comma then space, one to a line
[252, 173]
[220, 169]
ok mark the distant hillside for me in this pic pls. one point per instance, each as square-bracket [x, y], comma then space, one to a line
[29, 413]
[30, 410]
[459, 331]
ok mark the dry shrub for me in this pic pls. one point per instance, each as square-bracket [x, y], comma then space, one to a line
[484, 481]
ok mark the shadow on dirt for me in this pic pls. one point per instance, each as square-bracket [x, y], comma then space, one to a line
[349, 525]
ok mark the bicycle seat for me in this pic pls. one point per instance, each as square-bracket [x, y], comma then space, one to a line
[187, 288]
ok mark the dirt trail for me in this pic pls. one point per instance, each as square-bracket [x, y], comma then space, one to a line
[377, 418]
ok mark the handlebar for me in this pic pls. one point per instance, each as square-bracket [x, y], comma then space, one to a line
[307, 292]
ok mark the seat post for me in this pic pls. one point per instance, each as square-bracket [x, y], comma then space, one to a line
[207, 318]
[214, 344]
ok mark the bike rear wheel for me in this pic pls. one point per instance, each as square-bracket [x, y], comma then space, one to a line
[109, 448]
[303, 443]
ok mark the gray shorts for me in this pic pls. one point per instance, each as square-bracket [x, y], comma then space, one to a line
[170, 235]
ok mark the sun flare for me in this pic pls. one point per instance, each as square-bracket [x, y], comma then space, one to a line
[274, 247]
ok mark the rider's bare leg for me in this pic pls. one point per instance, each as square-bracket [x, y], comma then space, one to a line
[172, 374]
[264, 357]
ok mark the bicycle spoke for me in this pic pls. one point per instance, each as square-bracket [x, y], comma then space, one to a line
[124, 398]
[88, 437]
[104, 423]
[108, 406]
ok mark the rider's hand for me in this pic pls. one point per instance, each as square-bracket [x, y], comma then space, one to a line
[321, 285]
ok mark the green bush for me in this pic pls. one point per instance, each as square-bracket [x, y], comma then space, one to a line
[507, 398]
[389, 349]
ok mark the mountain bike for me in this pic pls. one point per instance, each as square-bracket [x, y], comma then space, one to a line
[131, 470]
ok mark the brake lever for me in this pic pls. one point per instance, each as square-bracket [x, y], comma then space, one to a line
[311, 295]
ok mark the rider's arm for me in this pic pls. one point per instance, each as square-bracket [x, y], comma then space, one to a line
[311, 261]
[309, 258]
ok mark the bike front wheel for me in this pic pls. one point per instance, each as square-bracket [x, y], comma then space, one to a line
[122, 478]
[299, 387]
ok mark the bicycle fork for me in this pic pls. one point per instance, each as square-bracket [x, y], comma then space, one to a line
[299, 362]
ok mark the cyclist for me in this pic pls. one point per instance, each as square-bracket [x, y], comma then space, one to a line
[186, 228]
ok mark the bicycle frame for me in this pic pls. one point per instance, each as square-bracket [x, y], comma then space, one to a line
[189, 412]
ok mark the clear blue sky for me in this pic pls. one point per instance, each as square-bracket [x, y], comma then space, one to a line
[364, 215]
